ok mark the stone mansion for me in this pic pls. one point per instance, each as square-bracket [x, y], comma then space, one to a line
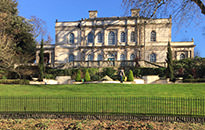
[114, 41]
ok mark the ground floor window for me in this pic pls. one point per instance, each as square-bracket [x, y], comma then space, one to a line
[153, 57]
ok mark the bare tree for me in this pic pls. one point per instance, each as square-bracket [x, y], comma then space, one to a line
[179, 9]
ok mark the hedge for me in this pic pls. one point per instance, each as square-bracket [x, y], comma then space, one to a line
[193, 80]
[14, 81]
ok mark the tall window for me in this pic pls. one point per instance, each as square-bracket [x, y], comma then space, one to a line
[90, 37]
[132, 57]
[182, 56]
[100, 37]
[71, 38]
[111, 38]
[153, 57]
[122, 57]
[90, 57]
[100, 57]
[123, 37]
[153, 36]
[133, 39]
[71, 58]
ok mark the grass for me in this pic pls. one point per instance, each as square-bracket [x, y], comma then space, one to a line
[108, 90]
[186, 99]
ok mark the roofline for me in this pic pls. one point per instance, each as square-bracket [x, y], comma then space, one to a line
[115, 18]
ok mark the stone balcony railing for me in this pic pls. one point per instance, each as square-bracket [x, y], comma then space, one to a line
[102, 64]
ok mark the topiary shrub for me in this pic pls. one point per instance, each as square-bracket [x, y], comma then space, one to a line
[87, 76]
[78, 76]
[130, 76]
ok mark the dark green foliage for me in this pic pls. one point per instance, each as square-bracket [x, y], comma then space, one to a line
[186, 67]
[169, 71]
[8, 7]
[41, 62]
[109, 72]
[193, 80]
[14, 81]
[130, 76]
[78, 76]
[87, 76]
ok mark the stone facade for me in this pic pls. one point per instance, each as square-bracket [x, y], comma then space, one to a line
[115, 41]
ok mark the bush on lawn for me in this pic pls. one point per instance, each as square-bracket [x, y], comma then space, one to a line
[78, 76]
[87, 76]
[130, 76]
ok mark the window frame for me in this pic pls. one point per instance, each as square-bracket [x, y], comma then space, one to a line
[153, 58]
[133, 36]
[71, 38]
[111, 38]
[153, 37]
[123, 37]
[100, 38]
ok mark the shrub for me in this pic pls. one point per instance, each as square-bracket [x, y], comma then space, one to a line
[193, 80]
[109, 71]
[130, 76]
[87, 76]
[14, 81]
[78, 76]
[50, 76]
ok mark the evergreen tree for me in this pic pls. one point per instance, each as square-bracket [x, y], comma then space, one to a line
[170, 71]
[130, 76]
[87, 76]
[78, 76]
[41, 62]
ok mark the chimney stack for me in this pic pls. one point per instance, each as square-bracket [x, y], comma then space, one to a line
[93, 14]
[135, 12]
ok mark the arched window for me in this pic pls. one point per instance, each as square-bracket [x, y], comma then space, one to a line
[90, 57]
[153, 57]
[71, 58]
[122, 57]
[100, 37]
[182, 56]
[153, 36]
[133, 39]
[71, 38]
[90, 37]
[123, 37]
[132, 57]
[111, 38]
[100, 57]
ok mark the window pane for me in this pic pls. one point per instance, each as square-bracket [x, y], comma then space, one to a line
[100, 37]
[123, 37]
[153, 36]
[90, 57]
[111, 38]
[133, 37]
[100, 58]
[153, 57]
[122, 57]
[182, 56]
[71, 38]
[132, 57]
[90, 37]
[71, 58]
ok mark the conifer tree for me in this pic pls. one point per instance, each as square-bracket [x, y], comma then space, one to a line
[41, 62]
[87, 76]
[169, 71]
[130, 76]
[78, 76]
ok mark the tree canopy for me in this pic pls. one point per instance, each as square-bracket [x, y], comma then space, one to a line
[179, 9]
[17, 44]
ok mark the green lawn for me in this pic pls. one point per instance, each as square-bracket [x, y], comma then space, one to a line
[186, 99]
[159, 90]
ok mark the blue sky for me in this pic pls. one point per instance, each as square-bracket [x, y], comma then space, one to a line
[72, 10]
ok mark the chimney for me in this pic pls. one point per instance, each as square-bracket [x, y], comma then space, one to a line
[135, 12]
[93, 14]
